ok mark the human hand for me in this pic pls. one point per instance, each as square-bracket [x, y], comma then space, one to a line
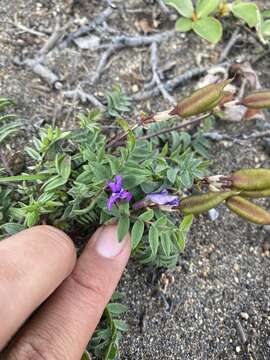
[38, 266]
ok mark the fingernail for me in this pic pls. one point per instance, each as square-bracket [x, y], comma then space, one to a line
[107, 244]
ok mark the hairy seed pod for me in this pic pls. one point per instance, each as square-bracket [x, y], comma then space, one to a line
[257, 100]
[249, 211]
[201, 100]
[256, 194]
[198, 204]
[251, 179]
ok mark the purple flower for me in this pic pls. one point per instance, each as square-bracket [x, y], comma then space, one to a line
[161, 198]
[118, 193]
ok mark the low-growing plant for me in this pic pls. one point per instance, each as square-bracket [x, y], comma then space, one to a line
[152, 184]
[204, 18]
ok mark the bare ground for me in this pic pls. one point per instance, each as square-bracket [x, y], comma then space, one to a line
[223, 275]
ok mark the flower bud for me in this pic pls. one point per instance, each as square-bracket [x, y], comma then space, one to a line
[247, 210]
[198, 204]
[257, 100]
[251, 179]
[201, 100]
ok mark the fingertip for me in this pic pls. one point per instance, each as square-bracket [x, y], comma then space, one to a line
[57, 236]
[107, 243]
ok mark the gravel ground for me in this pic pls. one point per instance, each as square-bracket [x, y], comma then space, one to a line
[222, 278]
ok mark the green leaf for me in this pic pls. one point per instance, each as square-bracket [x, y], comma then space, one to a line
[116, 308]
[32, 153]
[123, 227]
[171, 174]
[23, 178]
[183, 24]
[32, 218]
[54, 183]
[120, 325]
[181, 240]
[153, 239]
[123, 123]
[266, 14]
[166, 243]
[266, 28]
[206, 7]
[208, 28]
[64, 167]
[12, 228]
[186, 223]
[184, 7]
[248, 12]
[86, 355]
[147, 215]
[137, 233]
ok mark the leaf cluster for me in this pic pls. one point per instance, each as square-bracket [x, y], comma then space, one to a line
[203, 19]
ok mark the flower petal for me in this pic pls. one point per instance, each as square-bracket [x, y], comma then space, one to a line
[163, 198]
[125, 195]
[118, 183]
[112, 200]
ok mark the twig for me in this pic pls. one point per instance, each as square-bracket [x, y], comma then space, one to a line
[58, 32]
[45, 73]
[215, 136]
[163, 7]
[123, 41]
[79, 94]
[174, 128]
[156, 78]
[111, 4]
[102, 62]
[233, 40]
[26, 29]
[86, 28]
[170, 84]
[241, 333]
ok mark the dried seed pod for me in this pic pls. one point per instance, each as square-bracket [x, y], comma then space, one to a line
[251, 179]
[256, 194]
[247, 210]
[257, 100]
[201, 100]
[198, 204]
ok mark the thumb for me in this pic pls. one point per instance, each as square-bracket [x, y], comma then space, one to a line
[62, 327]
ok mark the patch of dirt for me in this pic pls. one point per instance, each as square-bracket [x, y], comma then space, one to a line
[224, 270]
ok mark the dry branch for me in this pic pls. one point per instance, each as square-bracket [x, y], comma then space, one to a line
[123, 41]
[156, 78]
[86, 28]
[79, 94]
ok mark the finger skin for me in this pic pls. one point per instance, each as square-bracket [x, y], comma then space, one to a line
[33, 263]
[63, 326]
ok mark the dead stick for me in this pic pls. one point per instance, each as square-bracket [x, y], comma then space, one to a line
[156, 78]
[174, 128]
[86, 28]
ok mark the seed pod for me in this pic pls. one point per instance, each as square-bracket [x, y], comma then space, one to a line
[198, 204]
[256, 194]
[201, 100]
[257, 100]
[249, 211]
[251, 179]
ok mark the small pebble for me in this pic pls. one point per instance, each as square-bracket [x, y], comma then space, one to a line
[266, 245]
[135, 88]
[244, 315]
[213, 214]
[236, 267]
[238, 349]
